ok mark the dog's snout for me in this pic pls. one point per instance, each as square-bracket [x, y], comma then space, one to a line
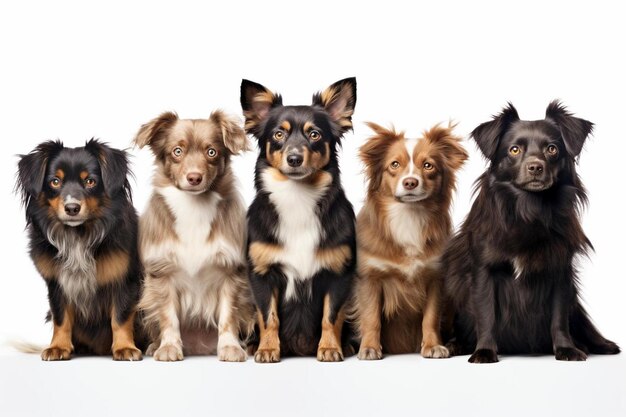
[535, 167]
[295, 160]
[194, 178]
[72, 209]
[410, 183]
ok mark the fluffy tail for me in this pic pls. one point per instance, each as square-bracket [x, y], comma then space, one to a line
[585, 333]
[25, 347]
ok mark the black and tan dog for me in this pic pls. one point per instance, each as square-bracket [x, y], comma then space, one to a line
[83, 241]
[301, 227]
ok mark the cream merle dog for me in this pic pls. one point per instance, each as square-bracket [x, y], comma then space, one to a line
[192, 239]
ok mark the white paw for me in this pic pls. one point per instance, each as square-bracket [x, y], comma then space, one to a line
[436, 352]
[168, 353]
[232, 354]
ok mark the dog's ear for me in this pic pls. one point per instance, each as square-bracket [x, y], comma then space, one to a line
[339, 100]
[152, 132]
[113, 167]
[488, 134]
[233, 135]
[452, 151]
[31, 169]
[256, 102]
[374, 151]
[573, 129]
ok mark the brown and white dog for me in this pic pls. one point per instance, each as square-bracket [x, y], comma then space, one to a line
[402, 230]
[192, 240]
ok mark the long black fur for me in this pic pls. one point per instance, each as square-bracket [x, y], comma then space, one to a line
[537, 308]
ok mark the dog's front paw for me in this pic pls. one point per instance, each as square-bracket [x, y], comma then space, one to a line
[152, 348]
[569, 354]
[232, 354]
[606, 348]
[56, 354]
[484, 356]
[329, 354]
[267, 355]
[168, 353]
[436, 352]
[370, 353]
[127, 354]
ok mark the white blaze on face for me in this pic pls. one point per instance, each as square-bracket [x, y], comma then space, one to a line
[410, 172]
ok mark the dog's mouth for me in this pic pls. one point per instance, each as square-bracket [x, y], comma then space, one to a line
[536, 185]
[297, 173]
[411, 197]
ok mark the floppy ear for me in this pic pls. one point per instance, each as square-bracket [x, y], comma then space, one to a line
[453, 152]
[488, 134]
[31, 169]
[256, 102]
[233, 135]
[113, 167]
[151, 132]
[374, 151]
[339, 100]
[573, 129]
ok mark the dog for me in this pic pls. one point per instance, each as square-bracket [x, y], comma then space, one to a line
[510, 271]
[402, 231]
[301, 227]
[192, 240]
[82, 228]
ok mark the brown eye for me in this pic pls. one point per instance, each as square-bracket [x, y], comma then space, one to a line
[90, 183]
[279, 135]
[177, 152]
[395, 165]
[552, 149]
[314, 135]
[55, 182]
[515, 150]
[428, 166]
[211, 152]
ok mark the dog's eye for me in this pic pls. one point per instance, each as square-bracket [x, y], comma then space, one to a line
[552, 149]
[55, 182]
[314, 135]
[211, 152]
[428, 166]
[90, 182]
[515, 150]
[177, 152]
[279, 135]
[395, 165]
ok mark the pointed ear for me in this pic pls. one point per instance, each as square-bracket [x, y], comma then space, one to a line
[453, 153]
[256, 102]
[233, 135]
[31, 169]
[488, 134]
[374, 151]
[573, 129]
[339, 100]
[113, 167]
[150, 133]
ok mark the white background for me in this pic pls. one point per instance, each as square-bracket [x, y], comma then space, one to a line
[74, 70]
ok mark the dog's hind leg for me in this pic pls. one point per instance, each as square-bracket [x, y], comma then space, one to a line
[584, 332]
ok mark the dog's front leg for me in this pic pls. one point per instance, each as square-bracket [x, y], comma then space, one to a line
[123, 327]
[562, 300]
[432, 346]
[61, 346]
[269, 343]
[171, 347]
[228, 346]
[482, 294]
[369, 311]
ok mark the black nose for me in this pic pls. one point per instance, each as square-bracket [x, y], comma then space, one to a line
[410, 183]
[194, 178]
[535, 168]
[72, 209]
[294, 160]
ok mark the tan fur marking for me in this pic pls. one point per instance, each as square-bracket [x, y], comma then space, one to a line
[263, 255]
[334, 259]
[308, 126]
[93, 206]
[46, 266]
[329, 348]
[286, 125]
[123, 347]
[60, 174]
[61, 346]
[274, 158]
[111, 267]
[269, 342]
[84, 175]
[317, 160]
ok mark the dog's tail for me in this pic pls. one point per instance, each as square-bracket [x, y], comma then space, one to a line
[25, 347]
[584, 332]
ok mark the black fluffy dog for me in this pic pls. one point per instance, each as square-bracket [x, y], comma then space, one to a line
[301, 227]
[510, 269]
[83, 241]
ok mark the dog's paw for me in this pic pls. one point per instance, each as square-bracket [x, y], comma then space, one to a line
[232, 354]
[329, 354]
[151, 349]
[127, 354]
[168, 353]
[569, 354]
[606, 348]
[267, 355]
[436, 352]
[484, 356]
[370, 353]
[56, 354]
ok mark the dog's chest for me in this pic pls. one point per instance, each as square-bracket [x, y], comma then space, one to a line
[406, 224]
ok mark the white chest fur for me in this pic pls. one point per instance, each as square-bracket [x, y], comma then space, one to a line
[406, 223]
[298, 228]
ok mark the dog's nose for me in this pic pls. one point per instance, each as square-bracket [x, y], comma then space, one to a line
[410, 183]
[72, 209]
[295, 160]
[194, 178]
[535, 167]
